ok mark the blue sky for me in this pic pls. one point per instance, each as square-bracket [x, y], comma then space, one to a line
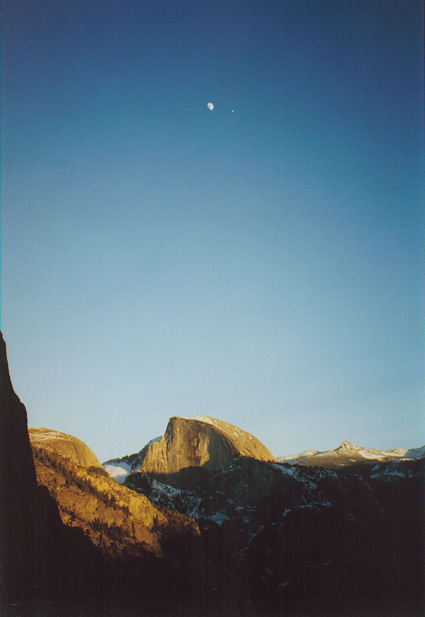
[261, 263]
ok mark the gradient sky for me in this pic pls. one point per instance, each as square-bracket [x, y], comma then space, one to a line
[261, 263]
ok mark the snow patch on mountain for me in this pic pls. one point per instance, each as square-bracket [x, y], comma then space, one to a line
[416, 452]
[174, 498]
[120, 468]
[287, 470]
[118, 471]
[219, 518]
[347, 454]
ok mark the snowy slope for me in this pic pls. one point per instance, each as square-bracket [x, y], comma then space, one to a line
[120, 468]
[347, 454]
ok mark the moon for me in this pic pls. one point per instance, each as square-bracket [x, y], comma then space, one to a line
[210, 106]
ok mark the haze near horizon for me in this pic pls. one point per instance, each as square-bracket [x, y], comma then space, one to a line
[260, 262]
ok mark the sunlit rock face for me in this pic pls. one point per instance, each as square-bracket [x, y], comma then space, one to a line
[201, 442]
[114, 518]
[66, 445]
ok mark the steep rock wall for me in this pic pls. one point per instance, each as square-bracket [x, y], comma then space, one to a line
[18, 488]
[201, 442]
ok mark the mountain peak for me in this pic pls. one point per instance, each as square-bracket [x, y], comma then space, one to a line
[346, 454]
[201, 442]
[347, 445]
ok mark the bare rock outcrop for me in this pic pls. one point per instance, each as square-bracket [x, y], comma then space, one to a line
[201, 442]
[66, 445]
[18, 487]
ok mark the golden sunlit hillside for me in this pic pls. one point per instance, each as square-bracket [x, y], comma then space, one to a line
[116, 519]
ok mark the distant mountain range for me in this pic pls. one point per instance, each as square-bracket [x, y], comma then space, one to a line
[314, 532]
[236, 443]
[205, 522]
[347, 454]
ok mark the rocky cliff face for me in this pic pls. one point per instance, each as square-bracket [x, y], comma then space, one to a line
[147, 547]
[18, 488]
[201, 442]
[75, 450]
[76, 543]
[298, 539]
[116, 519]
[42, 562]
[307, 540]
[246, 536]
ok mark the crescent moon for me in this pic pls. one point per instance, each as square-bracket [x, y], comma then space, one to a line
[210, 106]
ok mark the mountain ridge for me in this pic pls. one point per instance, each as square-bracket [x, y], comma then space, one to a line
[233, 534]
[201, 442]
[304, 539]
[346, 454]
